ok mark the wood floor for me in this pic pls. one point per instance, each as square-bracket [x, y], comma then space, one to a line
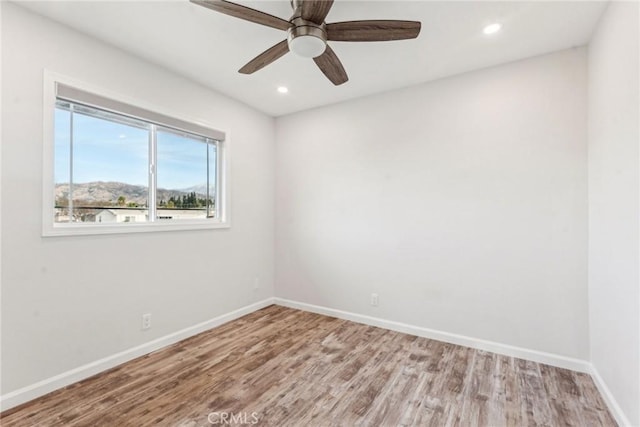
[284, 367]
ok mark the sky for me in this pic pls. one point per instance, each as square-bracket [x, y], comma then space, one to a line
[104, 150]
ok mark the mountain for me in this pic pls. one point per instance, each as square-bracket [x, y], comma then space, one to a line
[198, 189]
[101, 191]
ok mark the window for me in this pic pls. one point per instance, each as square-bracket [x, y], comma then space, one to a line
[120, 168]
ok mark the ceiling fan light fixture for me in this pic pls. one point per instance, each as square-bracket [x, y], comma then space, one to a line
[307, 46]
[306, 38]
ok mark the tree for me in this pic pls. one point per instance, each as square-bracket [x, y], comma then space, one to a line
[121, 201]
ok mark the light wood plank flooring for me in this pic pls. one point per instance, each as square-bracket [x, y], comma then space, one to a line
[286, 367]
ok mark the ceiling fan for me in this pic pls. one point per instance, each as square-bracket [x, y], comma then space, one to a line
[308, 34]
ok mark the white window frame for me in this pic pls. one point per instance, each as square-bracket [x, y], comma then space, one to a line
[51, 228]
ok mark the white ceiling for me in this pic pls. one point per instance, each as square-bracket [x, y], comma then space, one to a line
[209, 47]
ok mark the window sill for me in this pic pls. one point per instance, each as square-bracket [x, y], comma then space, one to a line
[55, 230]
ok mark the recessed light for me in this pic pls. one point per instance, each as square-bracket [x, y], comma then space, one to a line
[492, 28]
[283, 89]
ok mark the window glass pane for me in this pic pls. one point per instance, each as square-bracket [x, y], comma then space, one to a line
[62, 162]
[213, 175]
[184, 181]
[109, 167]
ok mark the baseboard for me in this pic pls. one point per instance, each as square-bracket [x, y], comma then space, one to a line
[611, 402]
[33, 391]
[494, 347]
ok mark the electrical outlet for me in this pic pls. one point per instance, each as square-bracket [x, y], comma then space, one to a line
[146, 321]
[374, 300]
[256, 283]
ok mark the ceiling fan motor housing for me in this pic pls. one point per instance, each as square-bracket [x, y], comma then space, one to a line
[305, 38]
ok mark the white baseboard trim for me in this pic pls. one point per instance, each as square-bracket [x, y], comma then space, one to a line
[494, 347]
[30, 392]
[611, 402]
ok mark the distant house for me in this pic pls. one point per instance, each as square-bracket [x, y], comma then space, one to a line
[121, 215]
[181, 214]
[141, 215]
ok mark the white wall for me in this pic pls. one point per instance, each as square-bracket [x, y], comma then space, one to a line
[72, 300]
[1, 6]
[462, 203]
[614, 211]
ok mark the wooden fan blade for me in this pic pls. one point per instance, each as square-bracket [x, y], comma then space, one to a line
[331, 66]
[244, 12]
[265, 58]
[316, 10]
[372, 31]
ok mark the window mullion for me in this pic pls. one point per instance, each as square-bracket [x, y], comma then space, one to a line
[70, 163]
[207, 195]
[218, 188]
[153, 155]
